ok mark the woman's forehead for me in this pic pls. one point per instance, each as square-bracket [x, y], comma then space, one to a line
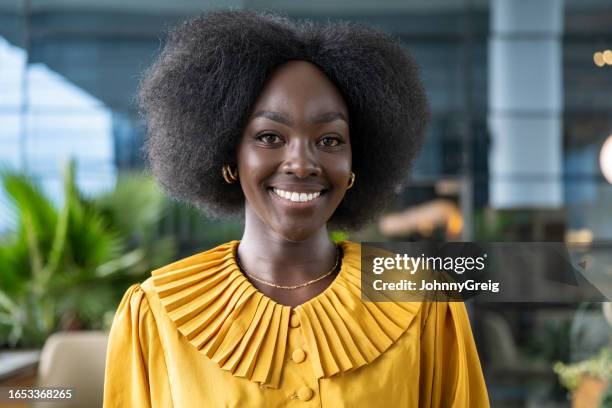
[300, 88]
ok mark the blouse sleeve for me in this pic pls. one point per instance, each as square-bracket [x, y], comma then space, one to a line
[451, 375]
[135, 373]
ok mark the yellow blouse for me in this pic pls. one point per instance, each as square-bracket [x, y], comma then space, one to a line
[197, 333]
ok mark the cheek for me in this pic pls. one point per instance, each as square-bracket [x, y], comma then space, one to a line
[254, 168]
[339, 170]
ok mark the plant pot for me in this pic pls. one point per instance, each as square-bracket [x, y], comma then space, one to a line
[589, 392]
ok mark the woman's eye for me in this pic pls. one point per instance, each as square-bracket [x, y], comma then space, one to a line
[330, 141]
[269, 138]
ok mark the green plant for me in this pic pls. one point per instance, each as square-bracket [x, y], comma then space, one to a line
[598, 366]
[489, 226]
[66, 268]
[337, 235]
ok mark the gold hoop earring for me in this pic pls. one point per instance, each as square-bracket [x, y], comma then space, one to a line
[229, 176]
[351, 180]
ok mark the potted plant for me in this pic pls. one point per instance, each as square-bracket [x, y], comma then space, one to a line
[66, 268]
[590, 381]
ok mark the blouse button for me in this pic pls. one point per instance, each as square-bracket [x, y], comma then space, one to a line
[294, 321]
[298, 355]
[304, 393]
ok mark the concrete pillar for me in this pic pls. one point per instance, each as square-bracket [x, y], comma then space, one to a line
[526, 103]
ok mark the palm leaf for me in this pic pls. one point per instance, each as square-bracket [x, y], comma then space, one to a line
[134, 204]
[28, 199]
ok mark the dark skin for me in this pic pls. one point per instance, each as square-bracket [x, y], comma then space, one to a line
[296, 140]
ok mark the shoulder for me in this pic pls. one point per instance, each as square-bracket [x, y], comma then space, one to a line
[172, 285]
[350, 244]
[133, 298]
[134, 305]
[219, 252]
[447, 316]
[170, 278]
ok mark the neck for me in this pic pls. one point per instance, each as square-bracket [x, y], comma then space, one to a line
[270, 256]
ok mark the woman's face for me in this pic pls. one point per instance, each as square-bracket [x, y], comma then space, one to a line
[294, 159]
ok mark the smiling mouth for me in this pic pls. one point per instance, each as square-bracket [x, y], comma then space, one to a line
[295, 197]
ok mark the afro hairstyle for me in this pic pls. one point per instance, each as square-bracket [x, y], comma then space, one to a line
[197, 95]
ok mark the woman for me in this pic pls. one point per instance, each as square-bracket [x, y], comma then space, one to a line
[294, 127]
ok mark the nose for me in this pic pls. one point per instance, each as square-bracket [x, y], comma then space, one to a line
[301, 159]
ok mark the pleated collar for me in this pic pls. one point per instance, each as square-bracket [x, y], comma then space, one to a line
[218, 311]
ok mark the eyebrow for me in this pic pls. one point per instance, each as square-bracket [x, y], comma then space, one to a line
[280, 118]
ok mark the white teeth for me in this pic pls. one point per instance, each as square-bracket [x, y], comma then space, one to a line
[296, 197]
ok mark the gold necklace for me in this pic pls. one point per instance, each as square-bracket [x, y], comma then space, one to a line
[294, 286]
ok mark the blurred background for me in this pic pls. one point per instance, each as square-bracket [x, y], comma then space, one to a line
[519, 149]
